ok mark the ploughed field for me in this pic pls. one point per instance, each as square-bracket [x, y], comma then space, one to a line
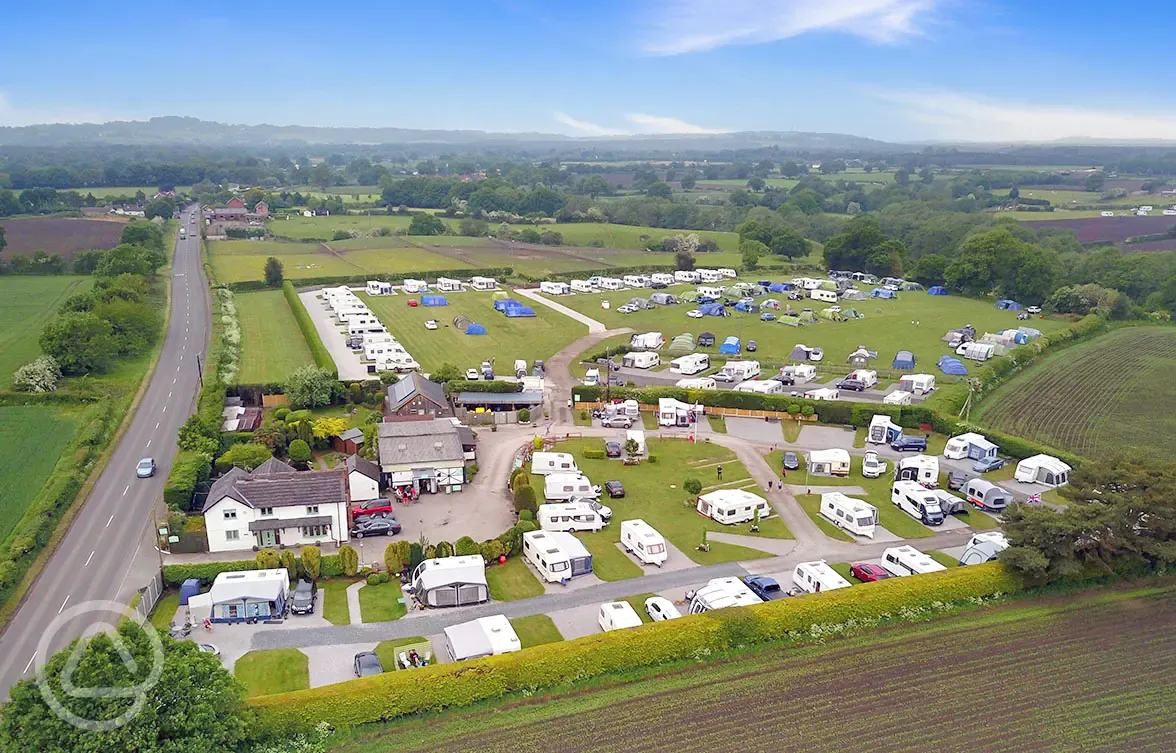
[1085, 673]
[1112, 394]
[66, 236]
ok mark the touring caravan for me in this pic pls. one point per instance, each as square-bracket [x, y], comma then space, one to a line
[854, 515]
[358, 325]
[727, 272]
[815, 577]
[987, 495]
[720, 593]
[766, 387]
[642, 541]
[483, 283]
[633, 281]
[554, 288]
[414, 286]
[662, 278]
[647, 341]
[901, 561]
[558, 487]
[976, 351]
[738, 371]
[618, 615]
[697, 383]
[827, 296]
[448, 285]
[574, 516]
[543, 463]
[868, 377]
[731, 506]
[687, 276]
[379, 287]
[823, 393]
[882, 430]
[898, 397]
[610, 283]
[834, 462]
[707, 291]
[690, 364]
[921, 504]
[450, 581]
[556, 555]
[920, 384]
[801, 372]
[485, 636]
[709, 275]
[643, 359]
[672, 412]
[1043, 469]
[580, 286]
[922, 469]
[984, 547]
[971, 446]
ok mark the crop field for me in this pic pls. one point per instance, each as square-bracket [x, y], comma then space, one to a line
[506, 339]
[1091, 673]
[349, 194]
[1109, 229]
[1113, 393]
[632, 237]
[26, 302]
[1062, 198]
[66, 236]
[33, 438]
[105, 191]
[272, 346]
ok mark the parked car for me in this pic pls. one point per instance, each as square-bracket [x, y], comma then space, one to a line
[612, 449]
[764, 587]
[872, 467]
[658, 285]
[816, 354]
[988, 464]
[660, 609]
[909, 444]
[614, 489]
[694, 314]
[956, 480]
[852, 384]
[305, 594]
[604, 511]
[626, 309]
[431, 324]
[413, 303]
[767, 316]
[145, 468]
[1033, 310]
[617, 422]
[373, 508]
[785, 379]
[367, 664]
[208, 648]
[472, 375]
[868, 572]
[791, 461]
[752, 346]
[376, 527]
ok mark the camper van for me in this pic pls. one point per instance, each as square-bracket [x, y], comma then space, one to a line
[556, 555]
[731, 506]
[738, 371]
[919, 503]
[641, 360]
[543, 463]
[698, 383]
[720, 593]
[642, 541]
[834, 462]
[663, 278]
[558, 487]
[610, 283]
[691, 364]
[709, 275]
[922, 469]
[618, 615]
[591, 377]
[815, 577]
[554, 288]
[580, 286]
[854, 515]
[986, 495]
[827, 296]
[766, 387]
[868, 377]
[984, 547]
[901, 561]
[576, 516]
[687, 276]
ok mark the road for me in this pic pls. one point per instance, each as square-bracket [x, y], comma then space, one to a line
[107, 553]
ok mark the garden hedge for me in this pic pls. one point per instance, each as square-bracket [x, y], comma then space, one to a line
[189, 470]
[330, 566]
[318, 351]
[396, 694]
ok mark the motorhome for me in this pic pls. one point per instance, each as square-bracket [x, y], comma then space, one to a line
[483, 283]
[448, 285]
[987, 495]
[731, 506]
[921, 504]
[559, 487]
[707, 291]
[882, 430]
[984, 547]
[644, 542]
[827, 296]
[815, 577]
[414, 286]
[557, 555]
[643, 359]
[591, 377]
[766, 387]
[687, 276]
[867, 377]
[554, 288]
[610, 283]
[672, 412]
[662, 278]
[834, 462]
[618, 615]
[969, 445]
[543, 463]
[727, 272]
[690, 364]
[580, 286]
[901, 561]
[720, 593]
[920, 384]
[709, 275]
[858, 517]
[633, 281]
[575, 516]
[697, 383]
[922, 469]
[738, 371]
[378, 287]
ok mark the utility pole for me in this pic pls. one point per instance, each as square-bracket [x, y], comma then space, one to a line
[199, 369]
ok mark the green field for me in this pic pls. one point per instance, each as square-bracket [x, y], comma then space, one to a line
[349, 194]
[149, 191]
[238, 261]
[33, 438]
[1061, 198]
[26, 303]
[277, 670]
[505, 339]
[323, 228]
[1061, 214]
[1114, 393]
[633, 237]
[272, 346]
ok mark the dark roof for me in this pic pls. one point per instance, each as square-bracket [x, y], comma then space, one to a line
[501, 398]
[355, 435]
[466, 435]
[364, 466]
[273, 465]
[410, 386]
[429, 441]
[280, 489]
[275, 524]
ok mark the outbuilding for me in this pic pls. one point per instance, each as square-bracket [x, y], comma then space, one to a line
[485, 636]
[451, 581]
[1043, 469]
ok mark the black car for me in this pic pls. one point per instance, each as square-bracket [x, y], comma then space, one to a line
[376, 527]
[752, 346]
[612, 449]
[614, 489]
[791, 461]
[658, 285]
[305, 594]
[956, 480]
[909, 444]
[785, 379]
[851, 384]
[367, 664]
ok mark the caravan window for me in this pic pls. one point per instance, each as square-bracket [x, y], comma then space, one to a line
[657, 548]
[559, 567]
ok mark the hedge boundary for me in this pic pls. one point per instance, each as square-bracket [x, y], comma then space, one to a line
[318, 351]
[397, 694]
[432, 274]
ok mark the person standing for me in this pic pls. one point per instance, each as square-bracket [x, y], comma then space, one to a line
[719, 470]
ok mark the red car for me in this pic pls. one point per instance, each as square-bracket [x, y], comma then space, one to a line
[868, 572]
[413, 302]
[372, 507]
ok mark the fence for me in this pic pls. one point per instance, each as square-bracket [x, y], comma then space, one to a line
[148, 597]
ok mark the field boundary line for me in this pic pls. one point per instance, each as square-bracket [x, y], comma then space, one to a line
[447, 252]
[340, 257]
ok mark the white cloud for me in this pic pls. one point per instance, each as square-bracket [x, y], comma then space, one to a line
[680, 26]
[966, 117]
[586, 128]
[658, 124]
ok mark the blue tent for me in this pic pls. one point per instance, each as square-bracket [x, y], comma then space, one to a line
[1007, 304]
[434, 300]
[514, 312]
[743, 306]
[502, 304]
[777, 287]
[953, 366]
[904, 361]
[764, 283]
[1018, 337]
[883, 293]
[712, 309]
[473, 328]
[936, 290]
[730, 347]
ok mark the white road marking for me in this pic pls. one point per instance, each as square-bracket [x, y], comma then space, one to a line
[148, 443]
[26, 669]
[88, 560]
[174, 379]
[164, 409]
[109, 521]
[169, 394]
[62, 607]
[156, 424]
[126, 490]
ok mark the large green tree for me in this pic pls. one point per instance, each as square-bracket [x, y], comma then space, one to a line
[310, 387]
[145, 234]
[426, 224]
[81, 341]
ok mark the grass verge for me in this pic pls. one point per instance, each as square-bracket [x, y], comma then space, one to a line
[382, 603]
[536, 630]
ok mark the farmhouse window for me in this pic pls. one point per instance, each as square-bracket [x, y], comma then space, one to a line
[230, 514]
[315, 531]
[232, 535]
[312, 509]
[267, 511]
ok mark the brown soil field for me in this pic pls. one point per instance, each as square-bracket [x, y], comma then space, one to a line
[59, 235]
[1084, 672]
[1168, 245]
[1109, 229]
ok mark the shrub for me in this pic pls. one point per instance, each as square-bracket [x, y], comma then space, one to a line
[491, 550]
[40, 375]
[593, 453]
[376, 579]
[300, 453]
[526, 515]
[465, 546]
[268, 559]
[519, 477]
[311, 560]
[243, 455]
[443, 549]
[511, 540]
[692, 486]
[350, 559]
[290, 562]
[310, 387]
[318, 351]
[205, 572]
[281, 413]
[651, 458]
[524, 499]
[392, 561]
[430, 552]
[189, 470]
[537, 443]
[525, 415]
[330, 566]
[416, 555]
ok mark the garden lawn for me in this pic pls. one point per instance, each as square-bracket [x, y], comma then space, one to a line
[272, 346]
[387, 650]
[32, 438]
[333, 592]
[609, 562]
[512, 581]
[505, 340]
[26, 303]
[382, 603]
[637, 601]
[944, 559]
[165, 611]
[278, 670]
[536, 630]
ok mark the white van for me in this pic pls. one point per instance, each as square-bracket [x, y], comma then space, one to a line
[576, 516]
[720, 593]
[643, 359]
[559, 487]
[853, 515]
[921, 504]
[687, 275]
[815, 577]
[901, 561]
[554, 288]
[644, 542]
[663, 278]
[691, 364]
[738, 371]
[618, 615]
[591, 377]
[731, 506]
[553, 462]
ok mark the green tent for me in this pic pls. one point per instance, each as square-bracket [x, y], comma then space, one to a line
[682, 344]
[689, 295]
[852, 313]
[832, 315]
[791, 321]
[808, 317]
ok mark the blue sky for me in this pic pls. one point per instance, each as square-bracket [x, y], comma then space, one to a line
[889, 69]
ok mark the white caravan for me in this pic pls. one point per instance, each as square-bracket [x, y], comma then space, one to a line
[543, 463]
[558, 487]
[708, 291]
[803, 372]
[720, 593]
[727, 272]
[637, 436]
[854, 515]
[378, 287]
[827, 296]
[738, 371]
[698, 383]
[1043, 469]
[555, 288]
[815, 577]
[868, 377]
[922, 469]
[557, 555]
[642, 541]
[580, 286]
[610, 283]
[731, 506]
[415, 286]
[920, 384]
[898, 397]
[833, 462]
[618, 615]
[642, 359]
[576, 516]
[662, 278]
[448, 285]
[882, 429]
[671, 412]
[901, 561]
[485, 636]
[766, 387]
[483, 283]
[687, 276]
[709, 275]
[690, 364]
[591, 377]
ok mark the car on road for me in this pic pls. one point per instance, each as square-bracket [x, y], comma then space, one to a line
[1033, 310]
[791, 461]
[612, 449]
[752, 346]
[208, 648]
[367, 664]
[988, 464]
[472, 375]
[909, 444]
[614, 489]
[764, 587]
[145, 468]
[852, 384]
[305, 595]
[694, 314]
[868, 572]
[956, 480]
[381, 507]
[660, 609]
[376, 527]
[617, 422]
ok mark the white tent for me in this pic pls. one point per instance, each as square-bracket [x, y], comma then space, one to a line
[1043, 469]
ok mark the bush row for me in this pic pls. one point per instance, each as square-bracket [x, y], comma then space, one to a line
[498, 273]
[330, 566]
[462, 385]
[190, 469]
[318, 351]
[397, 694]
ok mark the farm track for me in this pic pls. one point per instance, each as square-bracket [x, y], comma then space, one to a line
[447, 252]
[332, 252]
[1095, 678]
[564, 251]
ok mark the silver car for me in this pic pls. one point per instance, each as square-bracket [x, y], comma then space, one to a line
[617, 422]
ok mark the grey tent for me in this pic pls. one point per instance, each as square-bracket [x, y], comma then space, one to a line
[799, 353]
[663, 299]
[853, 294]
[706, 340]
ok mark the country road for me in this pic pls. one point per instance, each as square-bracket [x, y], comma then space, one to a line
[108, 552]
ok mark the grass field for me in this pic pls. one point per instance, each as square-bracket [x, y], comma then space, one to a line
[1113, 393]
[33, 438]
[26, 303]
[382, 603]
[1060, 214]
[632, 237]
[1089, 672]
[124, 191]
[536, 630]
[512, 581]
[272, 346]
[323, 228]
[506, 339]
[277, 670]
